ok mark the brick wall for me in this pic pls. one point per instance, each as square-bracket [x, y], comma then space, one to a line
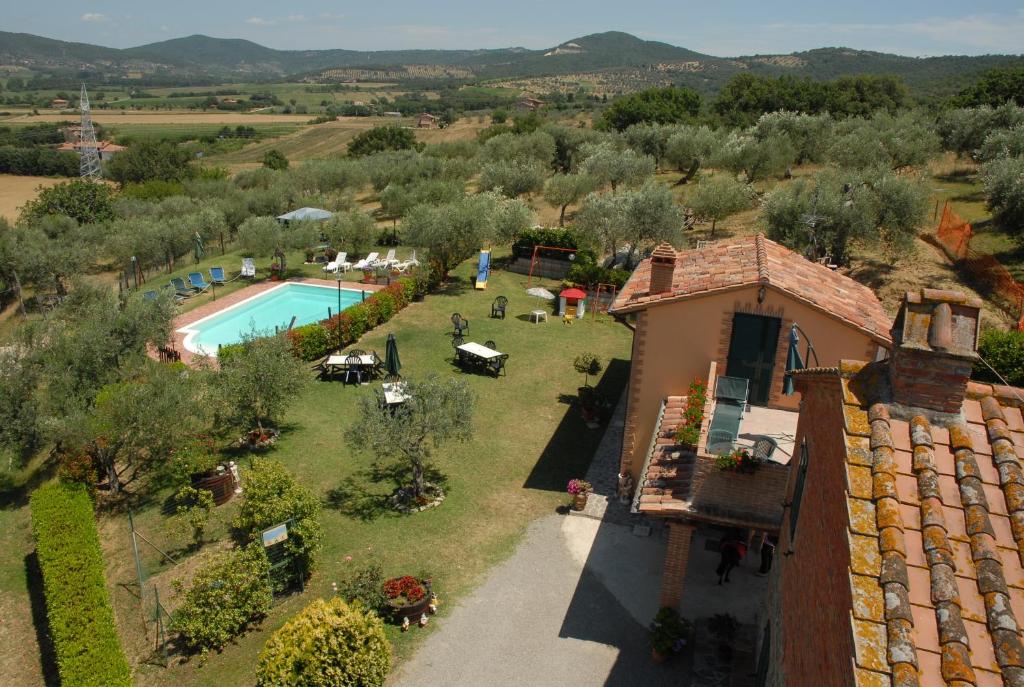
[927, 379]
[677, 555]
[814, 585]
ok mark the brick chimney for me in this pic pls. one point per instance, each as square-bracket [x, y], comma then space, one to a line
[935, 346]
[663, 264]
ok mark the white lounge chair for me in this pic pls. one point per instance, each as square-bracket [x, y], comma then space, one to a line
[339, 263]
[367, 262]
[406, 264]
[248, 267]
[388, 260]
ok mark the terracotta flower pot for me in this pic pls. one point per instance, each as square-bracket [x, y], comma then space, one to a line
[579, 501]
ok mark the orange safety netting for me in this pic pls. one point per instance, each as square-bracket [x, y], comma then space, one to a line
[953, 235]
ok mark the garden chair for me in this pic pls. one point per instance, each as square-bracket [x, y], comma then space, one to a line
[181, 289]
[197, 281]
[498, 307]
[353, 366]
[388, 260]
[497, 365]
[460, 324]
[217, 275]
[149, 296]
[491, 345]
[460, 355]
[406, 264]
[178, 298]
[248, 268]
[764, 447]
[366, 262]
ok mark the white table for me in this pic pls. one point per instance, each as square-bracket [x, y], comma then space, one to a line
[537, 314]
[479, 351]
[339, 363]
[394, 393]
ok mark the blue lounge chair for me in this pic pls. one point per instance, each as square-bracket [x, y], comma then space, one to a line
[180, 288]
[197, 281]
[149, 295]
[217, 275]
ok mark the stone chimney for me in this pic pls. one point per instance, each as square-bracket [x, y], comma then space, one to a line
[663, 265]
[935, 346]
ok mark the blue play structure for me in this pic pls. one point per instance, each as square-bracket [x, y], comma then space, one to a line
[483, 268]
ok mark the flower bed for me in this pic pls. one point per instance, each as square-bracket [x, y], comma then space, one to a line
[405, 501]
[688, 433]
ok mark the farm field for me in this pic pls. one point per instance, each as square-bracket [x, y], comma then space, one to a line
[111, 118]
[15, 191]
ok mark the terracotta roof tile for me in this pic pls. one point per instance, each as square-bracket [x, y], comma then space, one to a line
[752, 260]
[954, 597]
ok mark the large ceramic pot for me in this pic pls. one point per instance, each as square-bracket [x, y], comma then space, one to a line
[219, 483]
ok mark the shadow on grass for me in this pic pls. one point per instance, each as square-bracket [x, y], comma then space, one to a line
[360, 496]
[14, 493]
[37, 601]
[572, 446]
[455, 286]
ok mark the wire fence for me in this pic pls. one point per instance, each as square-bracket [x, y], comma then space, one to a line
[953, 237]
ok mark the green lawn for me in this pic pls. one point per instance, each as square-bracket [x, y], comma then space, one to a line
[527, 443]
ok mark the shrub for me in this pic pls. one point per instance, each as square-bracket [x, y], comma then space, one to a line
[311, 341]
[225, 596]
[1004, 351]
[555, 238]
[229, 351]
[366, 586]
[77, 605]
[272, 496]
[328, 643]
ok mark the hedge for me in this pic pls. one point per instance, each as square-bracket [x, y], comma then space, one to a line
[77, 605]
[314, 341]
[554, 238]
[1003, 350]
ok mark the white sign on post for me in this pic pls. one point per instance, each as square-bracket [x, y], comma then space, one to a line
[275, 535]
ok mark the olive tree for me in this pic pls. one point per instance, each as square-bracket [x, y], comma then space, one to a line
[266, 236]
[259, 380]
[354, 231]
[649, 139]
[614, 167]
[1004, 191]
[436, 412]
[562, 190]
[718, 197]
[513, 178]
[1002, 143]
[756, 158]
[689, 147]
[600, 221]
[809, 134]
[884, 140]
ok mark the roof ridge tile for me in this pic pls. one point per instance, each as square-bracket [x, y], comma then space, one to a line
[761, 250]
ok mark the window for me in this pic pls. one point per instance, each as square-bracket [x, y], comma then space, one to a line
[798, 492]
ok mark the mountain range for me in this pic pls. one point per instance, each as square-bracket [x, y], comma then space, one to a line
[201, 56]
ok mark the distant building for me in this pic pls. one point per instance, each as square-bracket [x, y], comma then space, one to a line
[229, 101]
[107, 150]
[426, 121]
[529, 103]
[59, 103]
[72, 132]
[395, 115]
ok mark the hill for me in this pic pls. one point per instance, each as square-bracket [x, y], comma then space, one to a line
[638, 62]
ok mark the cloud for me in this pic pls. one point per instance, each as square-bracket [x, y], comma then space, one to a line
[260, 21]
[94, 17]
[296, 18]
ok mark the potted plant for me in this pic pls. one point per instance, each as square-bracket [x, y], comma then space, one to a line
[407, 597]
[275, 271]
[668, 633]
[737, 460]
[688, 432]
[579, 490]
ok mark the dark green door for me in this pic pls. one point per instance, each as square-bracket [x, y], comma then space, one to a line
[752, 353]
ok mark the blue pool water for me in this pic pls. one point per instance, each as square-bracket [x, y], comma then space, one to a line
[262, 313]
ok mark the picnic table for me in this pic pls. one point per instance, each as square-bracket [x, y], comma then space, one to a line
[339, 363]
[481, 356]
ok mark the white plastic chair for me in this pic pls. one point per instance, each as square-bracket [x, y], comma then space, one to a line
[338, 263]
[368, 261]
[388, 260]
[248, 267]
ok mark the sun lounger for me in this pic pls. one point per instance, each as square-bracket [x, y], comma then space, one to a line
[388, 260]
[178, 284]
[149, 295]
[367, 262]
[197, 281]
[217, 275]
[339, 263]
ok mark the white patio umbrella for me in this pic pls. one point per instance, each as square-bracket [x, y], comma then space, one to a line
[541, 292]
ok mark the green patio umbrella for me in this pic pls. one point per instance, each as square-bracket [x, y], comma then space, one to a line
[391, 361]
[197, 247]
[793, 361]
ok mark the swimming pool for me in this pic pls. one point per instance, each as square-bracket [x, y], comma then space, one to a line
[262, 312]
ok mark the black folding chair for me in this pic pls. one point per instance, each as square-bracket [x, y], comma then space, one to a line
[498, 307]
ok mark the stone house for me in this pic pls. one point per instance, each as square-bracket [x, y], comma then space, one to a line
[902, 539]
[426, 120]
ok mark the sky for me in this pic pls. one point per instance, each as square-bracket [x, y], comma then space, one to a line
[721, 27]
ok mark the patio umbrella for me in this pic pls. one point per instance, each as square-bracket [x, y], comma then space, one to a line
[541, 292]
[391, 361]
[198, 251]
[793, 361]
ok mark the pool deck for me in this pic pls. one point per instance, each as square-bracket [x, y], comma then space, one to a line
[207, 309]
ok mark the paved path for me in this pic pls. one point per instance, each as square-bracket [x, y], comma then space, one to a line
[570, 607]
